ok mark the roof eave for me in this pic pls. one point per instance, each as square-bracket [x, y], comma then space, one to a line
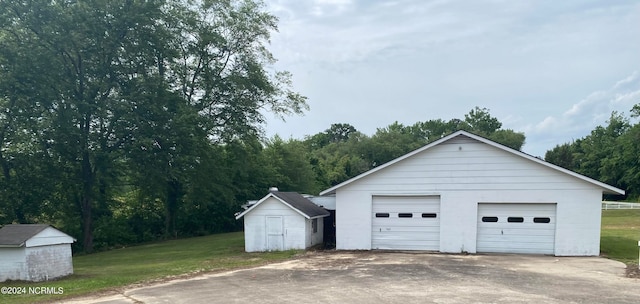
[12, 245]
[319, 216]
[614, 191]
[254, 205]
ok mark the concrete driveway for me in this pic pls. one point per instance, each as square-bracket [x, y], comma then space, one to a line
[386, 277]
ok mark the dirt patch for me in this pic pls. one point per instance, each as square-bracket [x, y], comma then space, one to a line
[632, 271]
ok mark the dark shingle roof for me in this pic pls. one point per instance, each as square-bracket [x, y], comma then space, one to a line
[301, 203]
[17, 234]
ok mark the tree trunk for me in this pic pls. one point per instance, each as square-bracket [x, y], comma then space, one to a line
[86, 201]
[171, 207]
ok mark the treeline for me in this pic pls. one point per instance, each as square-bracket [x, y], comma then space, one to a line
[610, 154]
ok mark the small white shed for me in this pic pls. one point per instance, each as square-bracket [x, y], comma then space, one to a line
[282, 221]
[34, 252]
[465, 193]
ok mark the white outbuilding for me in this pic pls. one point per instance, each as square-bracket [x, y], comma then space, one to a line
[282, 221]
[34, 252]
[465, 193]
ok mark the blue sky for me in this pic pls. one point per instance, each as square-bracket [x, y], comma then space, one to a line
[551, 69]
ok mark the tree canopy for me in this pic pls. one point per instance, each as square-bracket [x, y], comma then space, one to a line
[610, 153]
[105, 96]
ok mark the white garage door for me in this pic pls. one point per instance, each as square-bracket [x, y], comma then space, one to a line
[406, 223]
[516, 228]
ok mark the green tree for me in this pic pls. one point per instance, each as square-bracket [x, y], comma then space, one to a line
[562, 155]
[635, 111]
[509, 138]
[630, 159]
[55, 39]
[291, 165]
[91, 72]
[480, 121]
[393, 141]
[609, 154]
[339, 132]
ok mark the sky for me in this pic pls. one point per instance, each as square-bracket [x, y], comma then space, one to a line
[553, 70]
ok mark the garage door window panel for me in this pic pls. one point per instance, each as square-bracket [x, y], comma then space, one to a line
[542, 220]
[515, 219]
[489, 219]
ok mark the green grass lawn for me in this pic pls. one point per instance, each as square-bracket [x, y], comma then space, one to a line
[117, 268]
[620, 235]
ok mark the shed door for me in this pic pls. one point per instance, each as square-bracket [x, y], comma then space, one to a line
[406, 223]
[516, 228]
[275, 235]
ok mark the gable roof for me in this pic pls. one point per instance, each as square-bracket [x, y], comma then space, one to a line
[16, 235]
[295, 201]
[605, 188]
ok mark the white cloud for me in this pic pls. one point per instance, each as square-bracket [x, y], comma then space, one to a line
[620, 97]
[587, 105]
[547, 125]
[629, 80]
[585, 115]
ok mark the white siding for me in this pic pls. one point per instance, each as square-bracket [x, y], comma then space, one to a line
[36, 264]
[13, 265]
[48, 262]
[317, 237]
[255, 226]
[464, 172]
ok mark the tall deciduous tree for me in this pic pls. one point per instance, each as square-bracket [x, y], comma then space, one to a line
[111, 82]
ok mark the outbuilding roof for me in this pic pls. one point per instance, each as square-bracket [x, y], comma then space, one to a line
[15, 235]
[295, 201]
[605, 188]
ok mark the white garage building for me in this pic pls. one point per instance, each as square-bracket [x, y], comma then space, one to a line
[465, 193]
[282, 221]
[34, 252]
